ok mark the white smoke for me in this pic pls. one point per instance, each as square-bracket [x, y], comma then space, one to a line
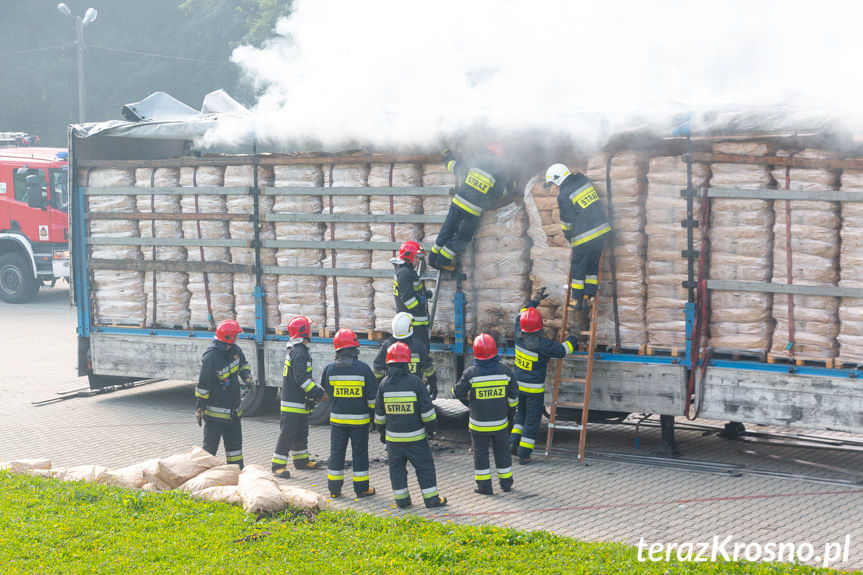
[401, 73]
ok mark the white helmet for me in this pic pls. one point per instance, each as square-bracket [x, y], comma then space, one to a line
[555, 174]
[403, 325]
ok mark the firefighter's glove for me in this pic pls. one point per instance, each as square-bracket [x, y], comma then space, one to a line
[199, 415]
[510, 417]
[540, 294]
[382, 433]
[429, 294]
[433, 389]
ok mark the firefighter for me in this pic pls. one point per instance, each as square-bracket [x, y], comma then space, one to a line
[299, 393]
[488, 388]
[409, 291]
[353, 388]
[420, 363]
[223, 368]
[406, 420]
[532, 352]
[585, 226]
[481, 184]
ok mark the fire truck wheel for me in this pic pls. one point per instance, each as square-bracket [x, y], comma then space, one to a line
[17, 284]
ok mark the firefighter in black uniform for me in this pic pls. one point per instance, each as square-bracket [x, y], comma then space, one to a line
[481, 184]
[218, 392]
[585, 226]
[532, 352]
[409, 291]
[299, 392]
[420, 363]
[488, 388]
[406, 421]
[353, 388]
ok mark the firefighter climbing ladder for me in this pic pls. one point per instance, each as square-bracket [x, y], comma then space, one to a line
[584, 405]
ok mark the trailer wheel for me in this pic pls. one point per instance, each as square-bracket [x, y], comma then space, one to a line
[321, 414]
[252, 399]
[17, 285]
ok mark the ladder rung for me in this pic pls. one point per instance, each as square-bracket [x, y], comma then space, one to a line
[573, 380]
[572, 404]
[584, 333]
[565, 427]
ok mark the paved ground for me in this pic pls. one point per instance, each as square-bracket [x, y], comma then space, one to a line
[761, 493]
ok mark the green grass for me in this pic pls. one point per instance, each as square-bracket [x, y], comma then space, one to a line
[47, 526]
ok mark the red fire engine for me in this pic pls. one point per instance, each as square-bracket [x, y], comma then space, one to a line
[33, 215]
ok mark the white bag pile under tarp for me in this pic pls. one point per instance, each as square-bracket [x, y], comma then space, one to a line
[851, 272]
[166, 292]
[437, 175]
[350, 300]
[384, 176]
[500, 271]
[740, 235]
[814, 238]
[666, 268]
[549, 253]
[300, 294]
[625, 211]
[196, 472]
[118, 295]
[212, 298]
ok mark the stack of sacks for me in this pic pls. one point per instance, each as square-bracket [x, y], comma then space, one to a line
[500, 271]
[626, 215]
[195, 472]
[814, 235]
[666, 268]
[299, 294]
[549, 253]
[740, 239]
[217, 288]
[244, 229]
[851, 272]
[384, 176]
[349, 299]
[167, 297]
[437, 175]
[118, 295]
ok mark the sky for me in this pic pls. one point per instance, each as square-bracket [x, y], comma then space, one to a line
[396, 73]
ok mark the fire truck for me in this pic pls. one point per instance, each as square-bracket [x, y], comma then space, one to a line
[34, 227]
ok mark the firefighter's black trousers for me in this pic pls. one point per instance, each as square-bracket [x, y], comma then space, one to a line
[358, 435]
[585, 267]
[293, 440]
[232, 431]
[455, 233]
[499, 441]
[420, 456]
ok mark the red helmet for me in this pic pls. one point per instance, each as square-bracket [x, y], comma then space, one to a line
[530, 320]
[228, 330]
[409, 251]
[344, 339]
[299, 326]
[399, 352]
[484, 346]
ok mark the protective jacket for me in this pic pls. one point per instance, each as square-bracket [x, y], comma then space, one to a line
[488, 388]
[218, 390]
[421, 362]
[352, 388]
[403, 409]
[582, 216]
[298, 387]
[532, 352]
[480, 182]
[410, 293]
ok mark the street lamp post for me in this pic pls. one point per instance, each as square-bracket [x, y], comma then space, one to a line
[89, 16]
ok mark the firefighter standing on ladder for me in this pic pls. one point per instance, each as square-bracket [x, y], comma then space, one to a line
[409, 291]
[299, 390]
[218, 392]
[585, 227]
[532, 352]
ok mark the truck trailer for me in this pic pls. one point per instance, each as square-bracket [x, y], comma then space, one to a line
[727, 292]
